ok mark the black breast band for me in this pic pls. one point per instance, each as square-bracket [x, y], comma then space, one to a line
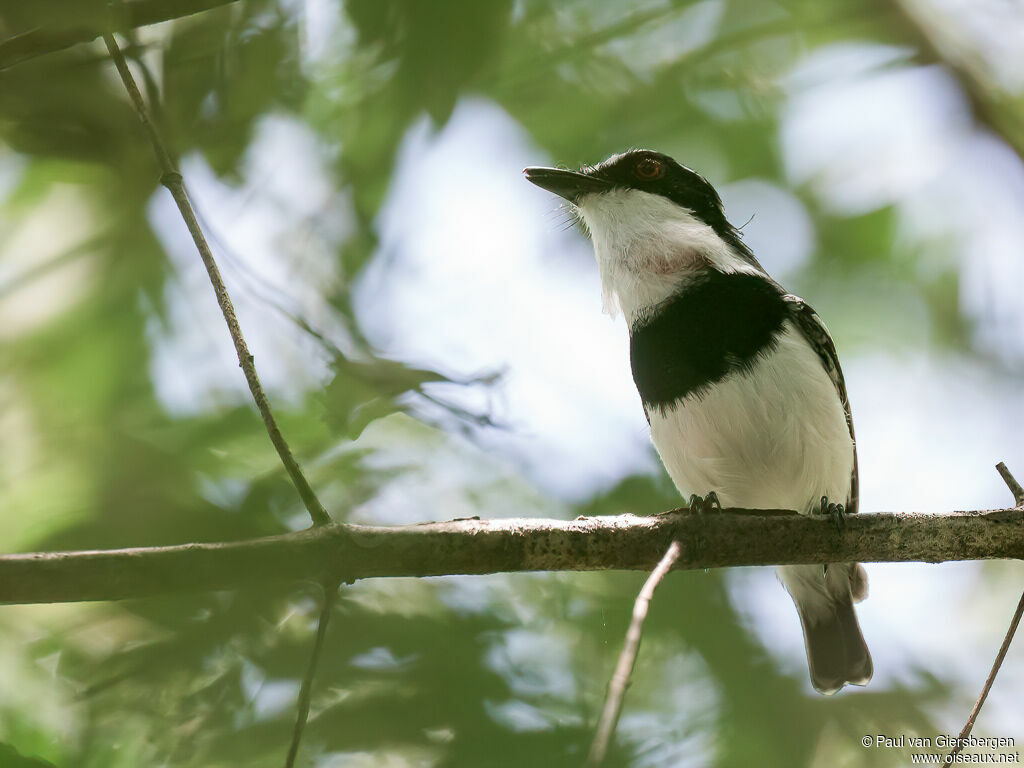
[715, 326]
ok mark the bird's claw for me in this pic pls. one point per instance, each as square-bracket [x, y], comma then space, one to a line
[835, 511]
[701, 505]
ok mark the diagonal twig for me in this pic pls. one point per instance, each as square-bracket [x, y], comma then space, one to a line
[172, 179]
[969, 725]
[331, 587]
[627, 659]
[1011, 483]
[1018, 497]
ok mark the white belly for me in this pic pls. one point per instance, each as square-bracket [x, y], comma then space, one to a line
[773, 438]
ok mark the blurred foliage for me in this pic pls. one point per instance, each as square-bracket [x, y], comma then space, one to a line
[434, 672]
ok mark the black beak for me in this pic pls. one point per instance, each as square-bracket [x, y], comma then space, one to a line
[568, 184]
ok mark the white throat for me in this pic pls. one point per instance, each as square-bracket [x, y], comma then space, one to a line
[647, 246]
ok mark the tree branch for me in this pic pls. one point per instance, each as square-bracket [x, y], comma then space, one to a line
[624, 542]
[123, 17]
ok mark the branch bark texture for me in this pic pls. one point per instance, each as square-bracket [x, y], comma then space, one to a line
[624, 542]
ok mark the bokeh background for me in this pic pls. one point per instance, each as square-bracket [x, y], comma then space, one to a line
[429, 328]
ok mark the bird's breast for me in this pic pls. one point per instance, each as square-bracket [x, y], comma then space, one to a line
[714, 326]
[770, 434]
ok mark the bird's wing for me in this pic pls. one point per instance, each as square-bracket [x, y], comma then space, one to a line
[814, 330]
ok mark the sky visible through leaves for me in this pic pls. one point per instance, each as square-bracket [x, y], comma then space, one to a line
[430, 331]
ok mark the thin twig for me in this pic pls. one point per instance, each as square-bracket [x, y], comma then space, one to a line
[627, 659]
[172, 179]
[306, 691]
[1018, 497]
[1011, 483]
[988, 682]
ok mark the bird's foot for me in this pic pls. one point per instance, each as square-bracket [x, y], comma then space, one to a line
[835, 511]
[702, 505]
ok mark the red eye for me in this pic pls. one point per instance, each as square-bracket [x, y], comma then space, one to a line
[649, 169]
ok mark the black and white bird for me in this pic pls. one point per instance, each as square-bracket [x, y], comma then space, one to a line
[739, 379]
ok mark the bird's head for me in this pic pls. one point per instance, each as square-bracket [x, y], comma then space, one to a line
[654, 223]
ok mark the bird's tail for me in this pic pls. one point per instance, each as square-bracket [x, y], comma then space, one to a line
[836, 651]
